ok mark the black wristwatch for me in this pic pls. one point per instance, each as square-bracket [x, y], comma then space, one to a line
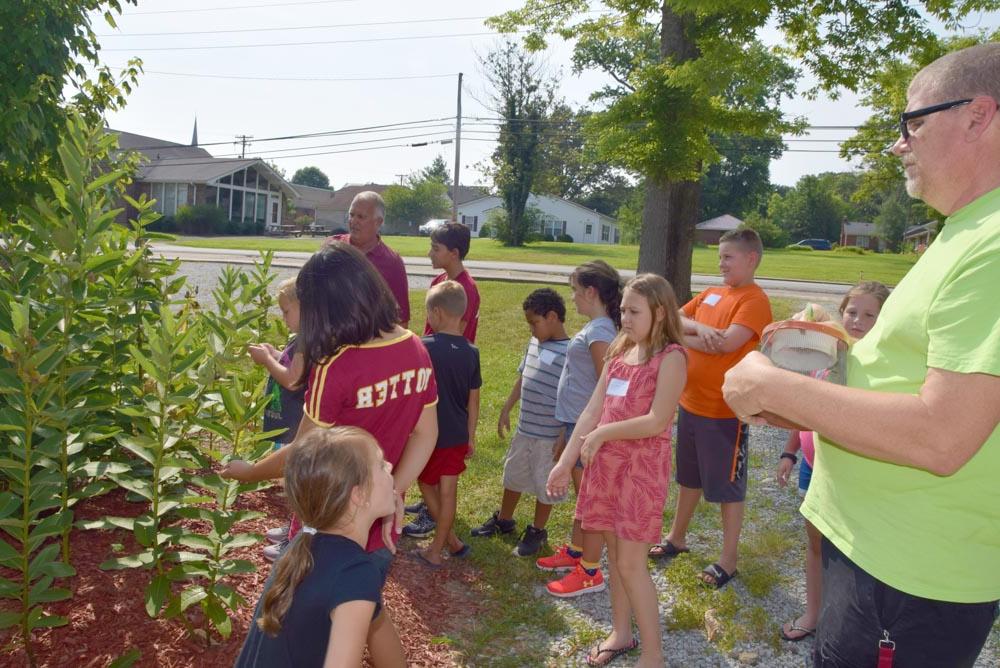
[789, 455]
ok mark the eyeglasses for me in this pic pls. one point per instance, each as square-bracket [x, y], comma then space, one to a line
[907, 116]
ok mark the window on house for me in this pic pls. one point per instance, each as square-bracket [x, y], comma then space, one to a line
[605, 233]
[237, 213]
[261, 209]
[618, 236]
[475, 223]
[552, 227]
[225, 199]
[590, 229]
[251, 181]
[248, 205]
[238, 177]
[861, 241]
[156, 192]
[226, 179]
[169, 199]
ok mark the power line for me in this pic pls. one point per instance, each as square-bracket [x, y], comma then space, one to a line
[311, 27]
[226, 9]
[365, 40]
[309, 79]
[352, 143]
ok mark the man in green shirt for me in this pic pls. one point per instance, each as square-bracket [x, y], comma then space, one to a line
[906, 488]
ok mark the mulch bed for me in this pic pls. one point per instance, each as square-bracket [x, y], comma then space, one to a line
[107, 617]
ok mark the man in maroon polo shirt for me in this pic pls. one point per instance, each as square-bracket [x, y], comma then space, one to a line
[365, 219]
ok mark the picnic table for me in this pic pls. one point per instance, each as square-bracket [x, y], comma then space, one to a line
[285, 231]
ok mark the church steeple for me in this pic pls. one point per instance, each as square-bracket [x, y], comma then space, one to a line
[194, 135]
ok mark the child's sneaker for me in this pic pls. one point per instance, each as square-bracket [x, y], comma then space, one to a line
[415, 508]
[531, 541]
[561, 561]
[277, 534]
[272, 552]
[493, 526]
[577, 582]
[422, 525]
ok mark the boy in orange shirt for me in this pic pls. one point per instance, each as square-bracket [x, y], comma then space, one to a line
[721, 325]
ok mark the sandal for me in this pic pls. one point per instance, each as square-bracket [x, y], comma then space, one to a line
[425, 562]
[594, 657]
[666, 549]
[462, 552]
[795, 628]
[719, 576]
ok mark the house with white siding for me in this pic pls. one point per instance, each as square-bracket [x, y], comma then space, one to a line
[559, 216]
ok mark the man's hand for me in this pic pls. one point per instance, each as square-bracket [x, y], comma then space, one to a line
[503, 424]
[472, 449]
[742, 385]
[237, 469]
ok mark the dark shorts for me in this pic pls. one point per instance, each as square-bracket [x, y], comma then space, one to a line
[570, 426]
[443, 461]
[712, 456]
[805, 475]
[858, 610]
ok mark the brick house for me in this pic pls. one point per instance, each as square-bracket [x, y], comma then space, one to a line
[861, 235]
[175, 175]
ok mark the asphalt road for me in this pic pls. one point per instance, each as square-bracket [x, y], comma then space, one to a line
[420, 268]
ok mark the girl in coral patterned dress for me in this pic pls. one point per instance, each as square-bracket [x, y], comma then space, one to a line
[623, 437]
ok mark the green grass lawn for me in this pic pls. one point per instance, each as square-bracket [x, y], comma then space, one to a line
[804, 265]
[517, 625]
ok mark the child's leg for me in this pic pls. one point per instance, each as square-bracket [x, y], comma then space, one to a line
[687, 502]
[633, 569]
[621, 609]
[446, 501]
[593, 543]
[542, 512]
[577, 537]
[732, 525]
[432, 498]
[509, 504]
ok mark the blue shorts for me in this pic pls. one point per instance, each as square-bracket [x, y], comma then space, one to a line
[805, 475]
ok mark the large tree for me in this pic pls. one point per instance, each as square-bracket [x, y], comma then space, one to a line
[412, 205]
[47, 45]
[311, 176]
[437, 171]
[662, 127]
[522, 95]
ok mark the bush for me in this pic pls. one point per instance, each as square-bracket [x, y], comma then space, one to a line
[565, 237]
[771, 235]
[850, 250]
[204, 219]
[163, 224]
[485, 231]
[793, 247]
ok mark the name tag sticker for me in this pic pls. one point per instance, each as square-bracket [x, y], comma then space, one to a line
[547, 356]
[617, 387]
[712, 299]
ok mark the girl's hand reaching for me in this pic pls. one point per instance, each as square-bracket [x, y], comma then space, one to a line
[258, 353]
[558, 483]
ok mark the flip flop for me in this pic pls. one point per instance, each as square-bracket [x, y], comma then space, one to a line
[594, 658]
[462, 552]
[795, 628]
[666, 549]
[424, 561]
[719, 574]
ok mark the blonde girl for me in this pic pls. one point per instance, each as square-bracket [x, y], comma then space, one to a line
[623, 437]
[325, 591]
[858, 311]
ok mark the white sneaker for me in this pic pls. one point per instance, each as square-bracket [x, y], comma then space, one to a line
[272, 552]
[277, 534]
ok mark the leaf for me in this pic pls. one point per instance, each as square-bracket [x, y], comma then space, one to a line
[140, 560]
[196, 541]
[217, 615]
[8, 619]
[183, 601]
[156, 594]
[237, 566]
[126, 660]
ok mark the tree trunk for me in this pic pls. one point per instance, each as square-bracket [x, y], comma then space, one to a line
[669, 215]
[670, 212]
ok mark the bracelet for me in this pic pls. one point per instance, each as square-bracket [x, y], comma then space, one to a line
[788, 455]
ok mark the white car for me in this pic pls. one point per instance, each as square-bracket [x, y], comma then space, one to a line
[432, 225]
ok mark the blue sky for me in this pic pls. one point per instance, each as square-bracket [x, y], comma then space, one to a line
[355, 64]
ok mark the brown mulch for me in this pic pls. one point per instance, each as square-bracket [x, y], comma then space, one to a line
[107, 617]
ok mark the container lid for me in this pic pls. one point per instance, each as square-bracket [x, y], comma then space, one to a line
[828, 328]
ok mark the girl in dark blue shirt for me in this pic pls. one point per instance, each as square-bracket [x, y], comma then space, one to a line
[325, 589]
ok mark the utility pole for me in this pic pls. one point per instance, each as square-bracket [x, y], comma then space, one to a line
[400, 178]
[243, 140]
[458, 152]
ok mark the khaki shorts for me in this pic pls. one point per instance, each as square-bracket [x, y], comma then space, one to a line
[527, 465]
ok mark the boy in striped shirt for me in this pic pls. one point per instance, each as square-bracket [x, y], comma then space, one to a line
[531, 454]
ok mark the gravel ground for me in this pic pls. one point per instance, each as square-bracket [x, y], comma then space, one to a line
[784, 602]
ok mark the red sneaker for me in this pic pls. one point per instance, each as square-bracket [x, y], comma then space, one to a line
[561, 561]
[576, 583]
